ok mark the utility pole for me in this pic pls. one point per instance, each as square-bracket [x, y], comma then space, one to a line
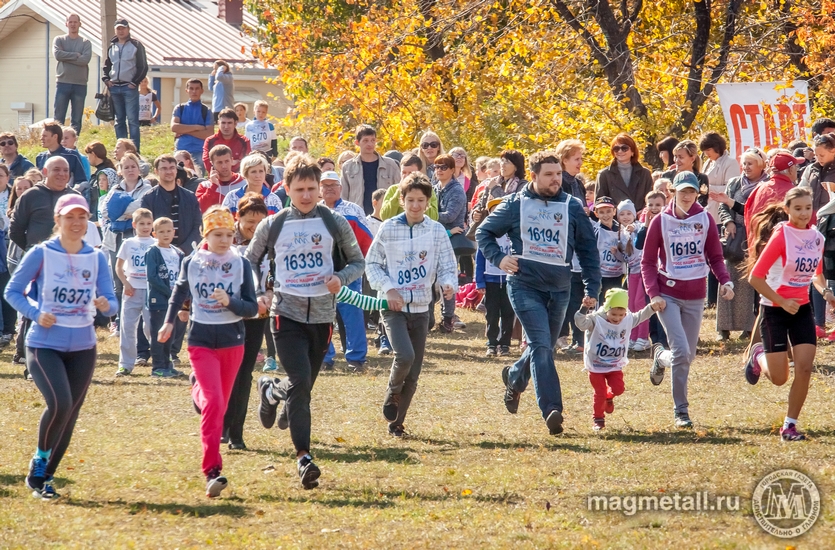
[108, 23]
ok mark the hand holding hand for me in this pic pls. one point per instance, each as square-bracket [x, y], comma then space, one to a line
[395, 300]
[589, 302]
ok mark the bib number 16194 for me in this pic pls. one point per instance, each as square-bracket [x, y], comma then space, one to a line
[544, 235]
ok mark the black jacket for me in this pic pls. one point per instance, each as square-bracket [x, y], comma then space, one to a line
[33, 217]
[158, 201]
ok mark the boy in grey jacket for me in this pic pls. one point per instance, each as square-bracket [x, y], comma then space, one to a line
[315, 254]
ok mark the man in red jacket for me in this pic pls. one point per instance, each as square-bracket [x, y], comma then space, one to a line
[222, 179]
[227, 135]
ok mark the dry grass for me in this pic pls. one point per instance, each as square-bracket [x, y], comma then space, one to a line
[470, 476]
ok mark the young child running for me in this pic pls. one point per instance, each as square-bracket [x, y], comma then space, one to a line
[655, 203]
[605, 350]
[631, 254]
[219, 282]
[782, 271]
[162, 261]
[491, 283]
[130, 268]
[682, 245]
[408, 253]
[607, 230]
[72, 281]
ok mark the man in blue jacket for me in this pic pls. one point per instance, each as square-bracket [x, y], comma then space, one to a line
[51, 137]
[546, 228]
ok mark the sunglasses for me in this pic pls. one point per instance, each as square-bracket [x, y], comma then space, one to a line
[620, 148]
[819, 140]
[441, 167]
[5, 143]
[459, 155]
[430, 145]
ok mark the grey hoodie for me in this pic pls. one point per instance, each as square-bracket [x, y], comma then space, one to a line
[309, 310]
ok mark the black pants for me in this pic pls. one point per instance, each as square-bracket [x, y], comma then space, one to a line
[465, 265]
[712, 289]
[300, 348]
[20, 342]
[62, 378]
[233, 420]
[160, 353]
[575, 300]
[606, 284]
[268, 339]
[9, 313]
[499, 314]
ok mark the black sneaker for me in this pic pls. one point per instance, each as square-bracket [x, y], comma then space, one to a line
[446, 326]
[656, 372]
[267, 411]
[397, 430]
[356, 367]
[503, 350]
[554, 422]
[283, 419]
[193, 380]
[491, 351]
[511, 396]
[215, 483]
[683, 421]
[27, 375]
[391, 406]
[5, 340]
[237, 446]
[18, 359]
[326, 366]
[308, 472]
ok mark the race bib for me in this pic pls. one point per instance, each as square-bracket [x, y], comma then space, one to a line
[544, 227]
[209, 271]
[411, 266]
[135, 260]
[504, 244]
[804, 251]
[684, 246]
[304, 258]
[69, 287]
[610, 265]
[607, 344]
[170, 269]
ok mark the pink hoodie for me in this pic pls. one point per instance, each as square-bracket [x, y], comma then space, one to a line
[655, 255]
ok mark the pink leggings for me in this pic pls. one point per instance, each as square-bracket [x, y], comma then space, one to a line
[215, 370]
[637, 302]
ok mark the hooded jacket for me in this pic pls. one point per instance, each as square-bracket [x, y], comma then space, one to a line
[506, 220]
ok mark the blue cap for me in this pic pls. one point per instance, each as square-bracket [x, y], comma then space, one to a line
[686, 179]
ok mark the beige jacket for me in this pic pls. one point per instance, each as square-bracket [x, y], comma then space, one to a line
[353, 186]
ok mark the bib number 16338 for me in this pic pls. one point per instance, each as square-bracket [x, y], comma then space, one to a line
[303, 260]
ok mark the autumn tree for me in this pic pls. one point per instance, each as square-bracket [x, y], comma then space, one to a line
[488, 74]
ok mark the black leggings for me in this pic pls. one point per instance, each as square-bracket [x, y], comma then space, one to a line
[62, 378]
[233, 420]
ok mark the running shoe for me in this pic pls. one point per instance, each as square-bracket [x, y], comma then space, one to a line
[458, 323]
[140, 362]
[820, 332]
[48, 492]
[166, 373]
[266, 411]
[27, 375]
[122, 371]
[114, 330]
[511, 396]
[831, 336]
[326, 365]
[37, 475]
[397, 430]
[18, 359]
[656, 373]
[447, 326]
[491, 351]
[481, 308]
[791, 434]
[683, 421]
[215, 483]
[175, 360]
[270, 365]
[641, 344]
[562, 342]
[752, 367]
[5, 340]
[356, 367]
[610, 405]
[308, 472]
[283, 420]
[385, 345]
[599, 424]
[391, 406]
[554, 422]
[503, 350]
[237, 446]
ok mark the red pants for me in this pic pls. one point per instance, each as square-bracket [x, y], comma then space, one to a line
[215, 370]
[599, 380]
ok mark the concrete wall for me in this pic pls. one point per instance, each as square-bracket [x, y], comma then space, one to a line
[25, 58]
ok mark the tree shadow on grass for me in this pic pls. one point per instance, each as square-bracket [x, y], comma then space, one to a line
[394, 455]
[139, 381]
[671, 438]
[375, 498]
[12, 375]
[556, 445]
[174, 508]
[826, 370]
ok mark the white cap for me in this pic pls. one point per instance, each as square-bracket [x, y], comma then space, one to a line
[329, 175]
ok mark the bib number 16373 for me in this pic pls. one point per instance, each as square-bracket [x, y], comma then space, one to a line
[62, 295]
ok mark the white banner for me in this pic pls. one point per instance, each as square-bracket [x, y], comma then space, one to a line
[764, 114]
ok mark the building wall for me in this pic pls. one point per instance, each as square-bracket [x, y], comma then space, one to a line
[24, 56]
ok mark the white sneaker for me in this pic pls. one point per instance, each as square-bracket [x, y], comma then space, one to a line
[562, 342]
[641, 344]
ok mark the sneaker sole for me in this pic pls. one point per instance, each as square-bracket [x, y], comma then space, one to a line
[216, 486]
[515, 405]
[388, 410]
[269, 421]
[554, 422]
[656, 373]
[750, 377]
[310, 478]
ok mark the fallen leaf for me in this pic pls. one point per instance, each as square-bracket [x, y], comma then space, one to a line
[340, 440]
[466, 493]
[331, 530]
[547, 505]
[259, 513]
[268, 469]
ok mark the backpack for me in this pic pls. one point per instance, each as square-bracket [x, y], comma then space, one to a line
[339, 261]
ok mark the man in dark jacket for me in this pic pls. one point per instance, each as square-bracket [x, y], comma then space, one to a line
[546, 227]
[172, 201]
[33, 218]
[14, 161]
[125, 67]
[51, 137]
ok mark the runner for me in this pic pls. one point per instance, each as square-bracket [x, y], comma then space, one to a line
[72, 281]
[546, 227]
[314, 257]
[408, 253]
[782, 269]
[685, 241]
[607, 230]
[223, 294]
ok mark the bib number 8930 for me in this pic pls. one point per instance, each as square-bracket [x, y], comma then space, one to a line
[304, 260]
[408, 275]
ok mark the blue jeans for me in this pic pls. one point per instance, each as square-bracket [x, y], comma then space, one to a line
[819, 304]
[532, 306]
[126, 107]
[66, 93]
[353, 319]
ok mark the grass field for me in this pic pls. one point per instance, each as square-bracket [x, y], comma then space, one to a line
[470, 476]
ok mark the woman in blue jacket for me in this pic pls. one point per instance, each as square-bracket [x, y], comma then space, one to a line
[71, 280]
